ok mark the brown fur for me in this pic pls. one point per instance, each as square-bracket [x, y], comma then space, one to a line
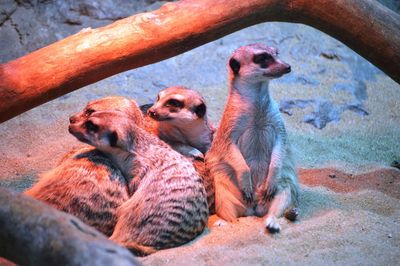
[75, 188]
[185, 128]
[85, 182]
[179, 117]
[168, 205]
[250, 159]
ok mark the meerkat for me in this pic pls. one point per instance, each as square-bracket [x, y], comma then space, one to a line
[179, 117]
[85, 182]
[250, 159]
[88, 176]
[168, 206]
[87, 185]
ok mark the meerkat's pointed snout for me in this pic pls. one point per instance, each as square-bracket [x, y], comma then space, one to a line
[72, 119]
[152, 113]
[287, 68]
[278, 69]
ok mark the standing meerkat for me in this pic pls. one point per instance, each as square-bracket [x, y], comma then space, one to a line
[250, 159]
[85, 182]
[168, 207]
[179, 117]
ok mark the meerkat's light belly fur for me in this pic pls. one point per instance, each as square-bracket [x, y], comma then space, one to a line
[250, 159]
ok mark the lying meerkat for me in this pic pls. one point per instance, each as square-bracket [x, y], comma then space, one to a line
[168, 207]
[179, 117]
[87, 177]
[91, 194]
[250, 159]
[85, 182]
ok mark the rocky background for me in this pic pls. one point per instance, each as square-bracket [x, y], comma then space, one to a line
[341, 112]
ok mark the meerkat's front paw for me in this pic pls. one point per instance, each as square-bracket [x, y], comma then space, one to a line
[272, 224]
[195, 154]
[270, 191]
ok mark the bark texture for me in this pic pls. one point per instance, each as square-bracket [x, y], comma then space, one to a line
[366, 26]
[32, 233]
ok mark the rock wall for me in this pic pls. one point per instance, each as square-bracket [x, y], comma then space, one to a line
[26, 25]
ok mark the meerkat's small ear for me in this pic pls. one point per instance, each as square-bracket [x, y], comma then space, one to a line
[200, 110]
[234, 65]
[113, 138]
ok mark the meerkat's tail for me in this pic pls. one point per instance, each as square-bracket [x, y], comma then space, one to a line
[208, 183]
[138, 249]
[228, 204]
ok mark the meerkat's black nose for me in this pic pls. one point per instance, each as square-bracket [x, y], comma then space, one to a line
[288, 69]
[72, 119]
[152, 113]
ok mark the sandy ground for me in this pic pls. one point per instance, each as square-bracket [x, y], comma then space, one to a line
[350, 200]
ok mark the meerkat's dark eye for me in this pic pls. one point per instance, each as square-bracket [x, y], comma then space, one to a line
[200, 110]
[89, 111]
[234, 65]
[174, 103]
[264, 59]
[113, 138]
[90, 126]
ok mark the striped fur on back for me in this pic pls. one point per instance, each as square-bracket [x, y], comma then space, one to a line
[85, 184]
[168, 206]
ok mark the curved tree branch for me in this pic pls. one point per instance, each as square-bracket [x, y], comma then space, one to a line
[365, 26]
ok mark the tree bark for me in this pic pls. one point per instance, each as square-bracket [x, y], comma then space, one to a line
[365, 26]
[33, 233]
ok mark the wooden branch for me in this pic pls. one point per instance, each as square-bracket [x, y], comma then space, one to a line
[33, 233]
[94, 54]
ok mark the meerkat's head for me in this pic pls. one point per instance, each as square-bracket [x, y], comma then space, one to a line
[256, 63]
[178, 106]
[105, 130]
[110, 103]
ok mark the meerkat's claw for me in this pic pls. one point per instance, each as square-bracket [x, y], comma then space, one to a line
[272, 224]
[247, 195]
[220, 222]
[270, 192]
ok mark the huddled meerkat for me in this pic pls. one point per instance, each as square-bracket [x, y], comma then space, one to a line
[179, 117]
[91, 195]
[87, 177]
[85, 182]
[250, 159]
[168, 206]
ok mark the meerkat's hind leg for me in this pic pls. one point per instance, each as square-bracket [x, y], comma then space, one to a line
[228, 205]
[281, 202]
[139, 250]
